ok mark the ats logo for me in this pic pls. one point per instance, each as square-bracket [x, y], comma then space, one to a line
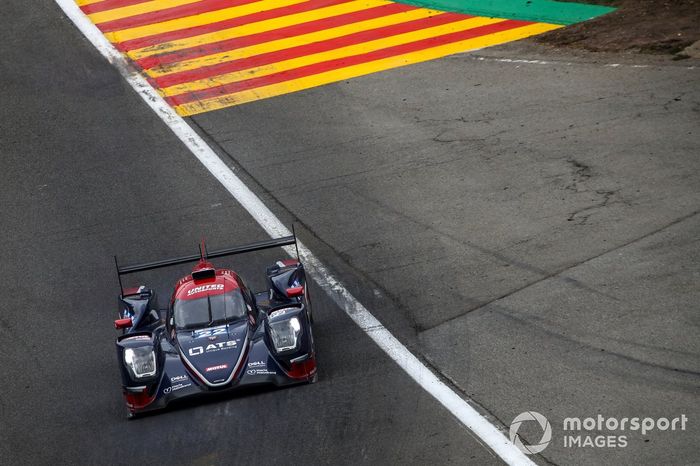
[197, 350]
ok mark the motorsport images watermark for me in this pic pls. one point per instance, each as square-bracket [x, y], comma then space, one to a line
[595, 432]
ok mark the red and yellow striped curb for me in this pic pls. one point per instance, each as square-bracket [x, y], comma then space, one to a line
[204, 55]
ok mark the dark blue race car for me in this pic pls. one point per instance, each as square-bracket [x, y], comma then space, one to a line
[216, 334]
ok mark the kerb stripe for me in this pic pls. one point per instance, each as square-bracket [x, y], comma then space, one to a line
[159, 16]
[105, 5]
[267, 36]
[155, 39]
[344, 62]
[305, 50]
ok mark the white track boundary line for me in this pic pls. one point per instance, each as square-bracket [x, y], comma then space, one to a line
[519, 61]
[466, 414]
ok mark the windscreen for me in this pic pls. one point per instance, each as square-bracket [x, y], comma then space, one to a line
[209, 310]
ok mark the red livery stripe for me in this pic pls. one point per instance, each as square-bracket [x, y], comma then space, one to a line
[343, 62]
[290, 31]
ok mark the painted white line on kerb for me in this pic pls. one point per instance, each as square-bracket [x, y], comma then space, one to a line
[467, 415]
[518, 61]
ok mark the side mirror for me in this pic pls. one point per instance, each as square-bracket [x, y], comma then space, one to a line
[295, 291]
[122, 323]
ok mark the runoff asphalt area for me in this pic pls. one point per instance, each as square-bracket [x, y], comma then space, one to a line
[528, 228]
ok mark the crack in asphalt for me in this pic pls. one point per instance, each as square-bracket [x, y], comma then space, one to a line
[581, 174]
[493, 253]
[582, 215]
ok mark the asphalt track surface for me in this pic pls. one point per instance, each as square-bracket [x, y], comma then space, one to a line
[531, 230]
[95, 189]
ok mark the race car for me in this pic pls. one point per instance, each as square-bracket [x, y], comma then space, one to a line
[216, 334]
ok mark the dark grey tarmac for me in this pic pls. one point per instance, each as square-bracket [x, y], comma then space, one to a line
[530, 229]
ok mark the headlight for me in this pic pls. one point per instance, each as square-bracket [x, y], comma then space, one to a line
[142, 361]
[285, 334]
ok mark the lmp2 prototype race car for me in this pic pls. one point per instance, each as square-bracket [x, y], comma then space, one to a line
[216, 334]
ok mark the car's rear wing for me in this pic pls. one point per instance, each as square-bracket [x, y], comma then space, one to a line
[204, 254]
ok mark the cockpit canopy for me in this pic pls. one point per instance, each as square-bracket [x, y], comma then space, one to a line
[209, 310]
